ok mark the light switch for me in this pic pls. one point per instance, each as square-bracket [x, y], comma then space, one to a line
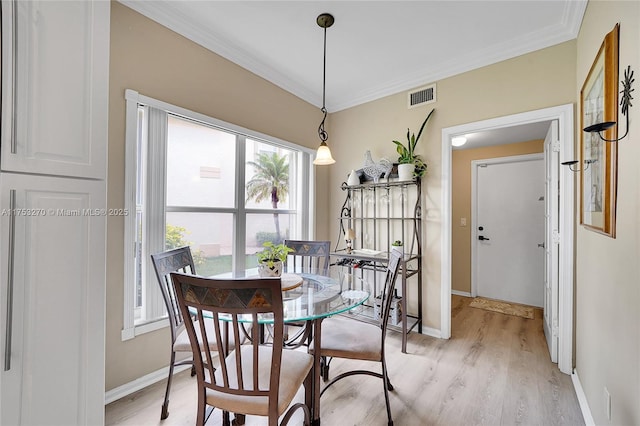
[463, 221]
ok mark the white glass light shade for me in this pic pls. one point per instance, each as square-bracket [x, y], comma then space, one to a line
[323, 156]
[458, 141]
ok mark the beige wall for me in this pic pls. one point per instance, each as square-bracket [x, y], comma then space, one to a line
[461, 203]
[156, 62]
[537, 80]
[608, 270]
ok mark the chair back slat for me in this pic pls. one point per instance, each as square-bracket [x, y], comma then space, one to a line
[227, 302]
[393, 266]
[176, 260]
[255, 360]
[308, 256]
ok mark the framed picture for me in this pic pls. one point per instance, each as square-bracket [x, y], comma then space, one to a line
[599, 159]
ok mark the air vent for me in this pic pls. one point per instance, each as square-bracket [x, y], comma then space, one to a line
[422, 96]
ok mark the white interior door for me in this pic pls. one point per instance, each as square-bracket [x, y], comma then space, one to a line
[551, 240]
[509, 229]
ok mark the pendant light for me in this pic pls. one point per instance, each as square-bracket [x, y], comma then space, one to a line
[323, 156]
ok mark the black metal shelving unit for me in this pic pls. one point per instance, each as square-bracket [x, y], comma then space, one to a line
[380, 213]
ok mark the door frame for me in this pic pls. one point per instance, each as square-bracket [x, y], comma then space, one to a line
[564, 114]
[474, 206]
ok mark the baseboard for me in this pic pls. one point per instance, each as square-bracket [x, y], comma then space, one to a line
[140, 383]
[433, 332]
[582, 399]
[461, 293]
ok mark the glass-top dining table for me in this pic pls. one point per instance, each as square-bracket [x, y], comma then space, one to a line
[308, 298]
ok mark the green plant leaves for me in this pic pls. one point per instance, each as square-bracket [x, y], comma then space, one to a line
[273, 252]
[406, 152]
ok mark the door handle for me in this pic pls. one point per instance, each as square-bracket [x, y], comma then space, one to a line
[541, 245]
[483, 238]
[13, 67]
[9, 321]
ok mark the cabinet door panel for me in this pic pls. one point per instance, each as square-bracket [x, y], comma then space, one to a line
[56, 374]
[55, 87]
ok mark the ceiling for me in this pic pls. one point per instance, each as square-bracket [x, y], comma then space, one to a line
[374, 48]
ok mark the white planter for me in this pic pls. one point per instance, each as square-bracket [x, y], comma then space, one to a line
[399, 249]
[265, 271]
[405, 171]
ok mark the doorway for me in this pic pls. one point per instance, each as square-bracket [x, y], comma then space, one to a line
[565, 146]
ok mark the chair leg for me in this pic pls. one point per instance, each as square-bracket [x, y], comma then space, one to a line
[324, 368]
[238, 419]
[201, 416]
[208, 411]
[386, 385]
[389, 385]
[165, 405]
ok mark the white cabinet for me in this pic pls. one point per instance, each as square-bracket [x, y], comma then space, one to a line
[53, 157]
[55, 57]
[53, 279]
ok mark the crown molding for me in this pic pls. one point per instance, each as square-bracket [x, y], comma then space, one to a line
[547, 37]
[169, 14]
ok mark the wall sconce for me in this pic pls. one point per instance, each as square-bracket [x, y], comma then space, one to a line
[574, 162]
[625, 103]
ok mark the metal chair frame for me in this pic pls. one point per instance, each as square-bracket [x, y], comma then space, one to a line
[387, 297]
[176, 260]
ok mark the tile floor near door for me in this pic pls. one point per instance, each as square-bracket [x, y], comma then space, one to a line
[495, 370]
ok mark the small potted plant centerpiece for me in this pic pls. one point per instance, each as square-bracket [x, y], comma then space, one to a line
[398, 246]
[411, 164]
[271, 258]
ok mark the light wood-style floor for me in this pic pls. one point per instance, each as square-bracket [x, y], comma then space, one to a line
[495, 370]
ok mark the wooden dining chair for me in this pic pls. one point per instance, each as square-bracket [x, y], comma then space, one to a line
[352, 339]
[308, 256]
[176, 260]
[254, 378]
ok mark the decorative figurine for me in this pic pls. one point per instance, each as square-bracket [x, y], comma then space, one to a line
[375, 170]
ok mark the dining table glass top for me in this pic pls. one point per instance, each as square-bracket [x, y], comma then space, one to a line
[319, 295]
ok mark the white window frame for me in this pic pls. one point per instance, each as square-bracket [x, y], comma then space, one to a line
[305, 174]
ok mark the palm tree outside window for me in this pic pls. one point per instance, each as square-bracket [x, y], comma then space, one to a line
[270, 181]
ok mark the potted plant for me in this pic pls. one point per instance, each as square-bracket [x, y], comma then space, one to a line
[398, 246]
[271, 258]
[411, 164]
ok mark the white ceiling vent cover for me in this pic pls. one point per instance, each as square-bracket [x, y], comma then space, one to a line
[422, 96]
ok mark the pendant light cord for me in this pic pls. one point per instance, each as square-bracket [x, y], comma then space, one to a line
[322, 133]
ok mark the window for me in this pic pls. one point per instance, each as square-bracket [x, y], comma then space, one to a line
[222, 190]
